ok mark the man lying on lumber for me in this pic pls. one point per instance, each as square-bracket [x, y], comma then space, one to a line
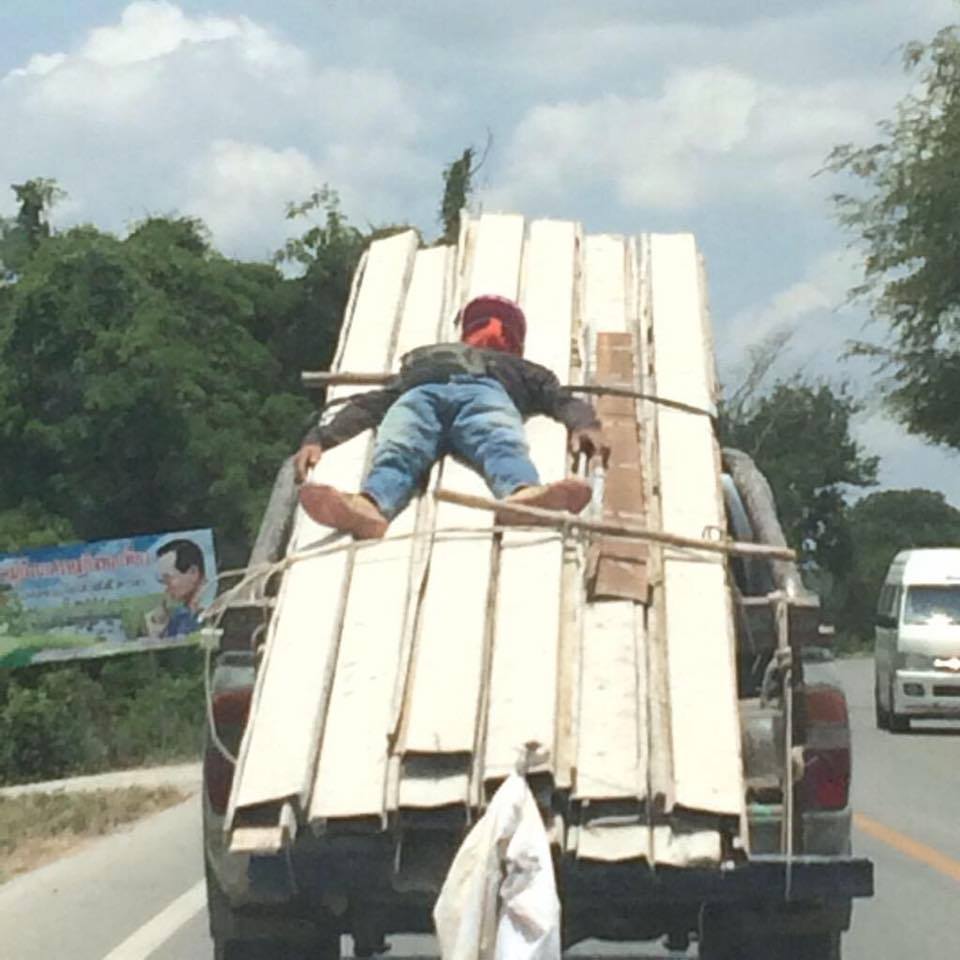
[468, 399]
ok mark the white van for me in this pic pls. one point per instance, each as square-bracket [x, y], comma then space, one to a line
[917, 647]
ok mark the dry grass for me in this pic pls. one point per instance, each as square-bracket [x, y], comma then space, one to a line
[36, 828]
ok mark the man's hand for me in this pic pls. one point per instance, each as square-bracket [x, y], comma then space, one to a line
[306, 457]
[591, 442]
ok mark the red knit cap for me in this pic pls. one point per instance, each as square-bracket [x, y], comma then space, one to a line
[480, 308]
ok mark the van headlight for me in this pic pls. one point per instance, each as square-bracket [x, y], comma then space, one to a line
[916, 661]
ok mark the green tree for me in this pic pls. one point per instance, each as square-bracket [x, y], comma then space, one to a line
[20, 237]
[798, 434]
[881, 524]
[30, 524]
[457, 187]
[139, 385]
[906, 219]
[326, 255]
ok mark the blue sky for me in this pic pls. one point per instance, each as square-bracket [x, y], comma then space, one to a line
[630, 115]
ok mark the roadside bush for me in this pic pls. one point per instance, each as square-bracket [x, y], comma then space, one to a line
[52, 730]
[62, 720]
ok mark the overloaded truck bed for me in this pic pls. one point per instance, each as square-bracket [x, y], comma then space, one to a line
[369, 697]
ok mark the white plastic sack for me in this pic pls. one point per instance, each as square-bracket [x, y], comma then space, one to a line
[499, 900]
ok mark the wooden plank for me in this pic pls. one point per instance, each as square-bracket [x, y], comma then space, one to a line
[573, 594]
[278, 752]
[359, 717]
[616, 843]
[611, 754]
[457, 283]
[659, 740]
[568, 669]
[618, 569]
[704, 726]
[266, 838]
[444, 696]
[605, 282]
[523, 679]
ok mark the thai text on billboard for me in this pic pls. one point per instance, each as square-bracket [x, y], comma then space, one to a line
[104, 597]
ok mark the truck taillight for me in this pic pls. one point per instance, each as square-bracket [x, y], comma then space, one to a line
[826, 754]
[230, 711]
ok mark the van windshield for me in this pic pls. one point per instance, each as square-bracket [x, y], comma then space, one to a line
[932, 605]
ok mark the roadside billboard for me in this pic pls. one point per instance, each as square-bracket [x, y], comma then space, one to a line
[104, 597]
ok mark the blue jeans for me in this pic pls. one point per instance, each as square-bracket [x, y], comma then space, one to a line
[472, 417]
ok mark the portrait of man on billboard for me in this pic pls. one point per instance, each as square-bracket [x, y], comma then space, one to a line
[182, 571]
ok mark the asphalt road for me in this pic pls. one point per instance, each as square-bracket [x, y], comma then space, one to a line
[138, 894]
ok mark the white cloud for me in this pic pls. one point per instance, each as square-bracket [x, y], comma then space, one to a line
[39, 65]
[811, 307]
[237, 189]
[167, 112]
[153, 28]
[709, 134]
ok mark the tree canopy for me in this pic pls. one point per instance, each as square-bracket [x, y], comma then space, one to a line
[457, 189]
[906, 218]
[882, 524]
[798, 434]
[21, 236]
[147, 382]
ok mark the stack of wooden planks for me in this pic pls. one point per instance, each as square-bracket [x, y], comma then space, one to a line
[401, 680]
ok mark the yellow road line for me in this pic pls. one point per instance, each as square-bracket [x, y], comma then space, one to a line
[907, 845]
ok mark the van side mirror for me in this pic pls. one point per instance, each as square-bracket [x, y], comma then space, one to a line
[885, 620]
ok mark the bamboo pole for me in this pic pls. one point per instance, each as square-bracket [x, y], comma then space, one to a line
[559, 517]
[320, 379]
[328, 378]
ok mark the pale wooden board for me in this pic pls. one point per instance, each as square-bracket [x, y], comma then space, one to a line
[360, 712]
[605, 283]
[426, 784]
[686, 848]
[704, 724]
[609, 762]
[572, 597]
[279, 749]
[568, 670]
[611, 732]
[635, 841]
[660, 764]
[613, 843]
[446, 689]
[429, 791]
[523, 680]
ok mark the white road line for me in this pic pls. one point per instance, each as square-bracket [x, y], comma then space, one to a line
[155, 932]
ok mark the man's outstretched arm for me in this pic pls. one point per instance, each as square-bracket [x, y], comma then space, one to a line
[586, 432]
[358, 413]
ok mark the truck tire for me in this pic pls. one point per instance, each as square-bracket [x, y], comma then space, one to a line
[882, 716]
[324, 945]
[896, 722]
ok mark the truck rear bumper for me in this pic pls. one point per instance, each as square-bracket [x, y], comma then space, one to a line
[355, 882]
[811, 895]
[762, 880]
[927, 693]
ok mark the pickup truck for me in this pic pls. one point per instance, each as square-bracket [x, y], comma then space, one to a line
[698, 794]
